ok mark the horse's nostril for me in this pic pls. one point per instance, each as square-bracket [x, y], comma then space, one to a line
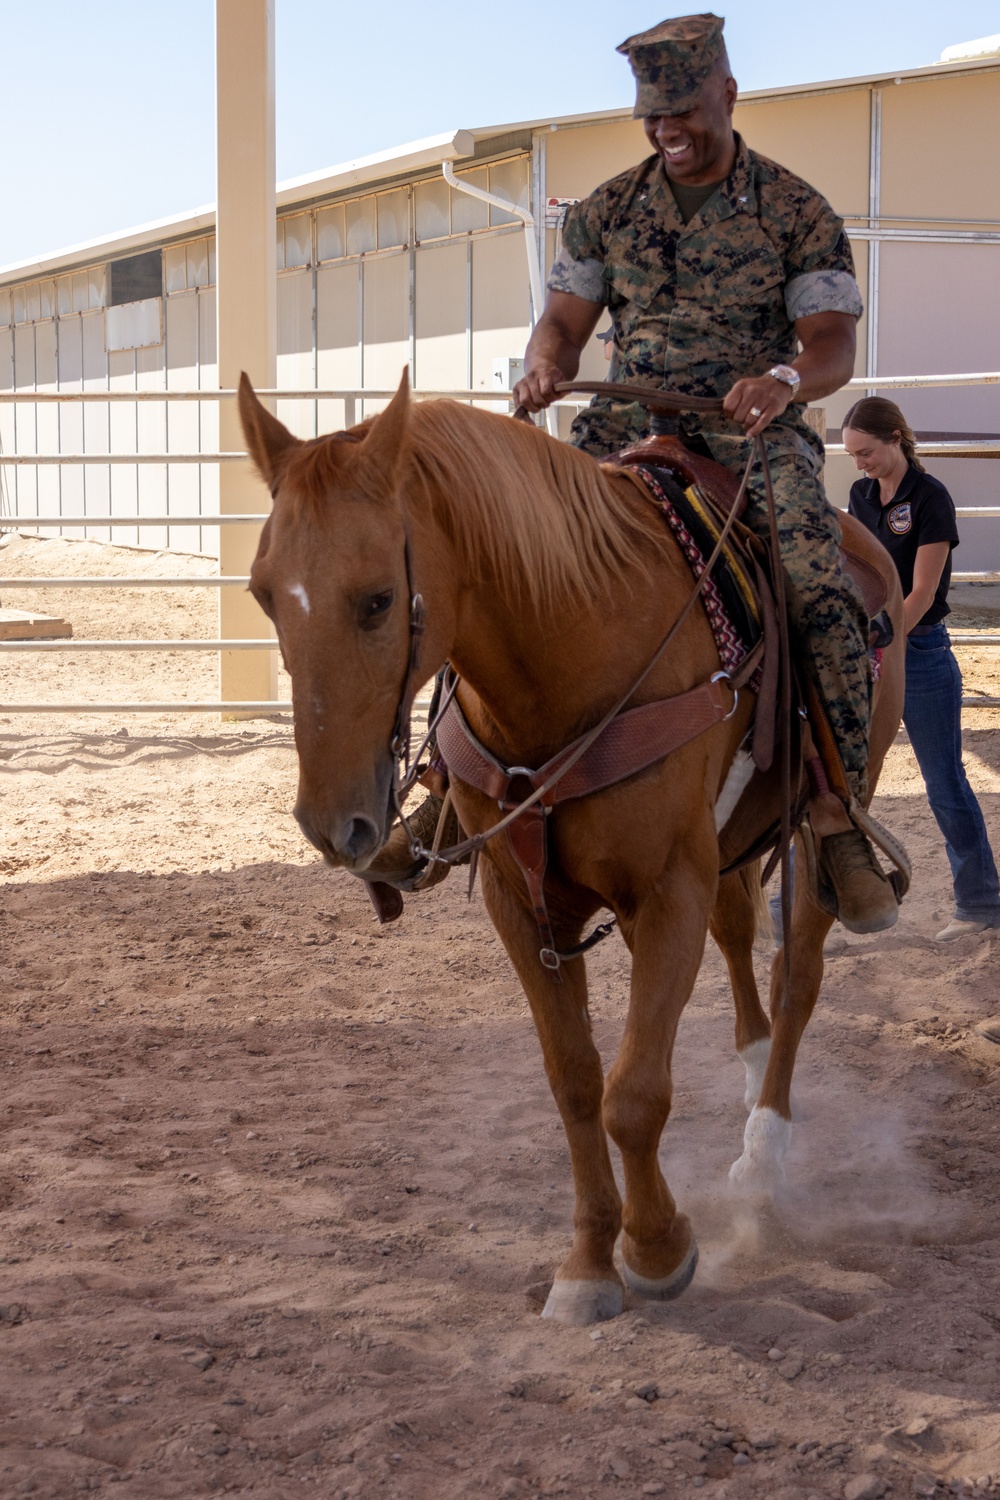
[360, 837]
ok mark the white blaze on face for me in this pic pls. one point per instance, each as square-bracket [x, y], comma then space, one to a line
[298, 592]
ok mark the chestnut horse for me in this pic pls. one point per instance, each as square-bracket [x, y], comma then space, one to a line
[548, 582]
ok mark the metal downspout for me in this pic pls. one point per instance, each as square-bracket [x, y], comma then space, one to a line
[531, 248]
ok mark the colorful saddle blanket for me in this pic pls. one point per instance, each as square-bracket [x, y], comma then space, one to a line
[730, 594]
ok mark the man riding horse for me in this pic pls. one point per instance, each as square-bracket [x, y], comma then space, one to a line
[725, 276]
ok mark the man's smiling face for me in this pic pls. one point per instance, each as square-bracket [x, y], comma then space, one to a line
[698, 147]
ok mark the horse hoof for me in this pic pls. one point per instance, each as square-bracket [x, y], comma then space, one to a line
[765, 1140]
[754, 1059]
[581, 1302]
[665, 1288]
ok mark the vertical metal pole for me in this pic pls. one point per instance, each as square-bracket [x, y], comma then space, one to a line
[166, 404]
[9, 506]
[314, 310]
[468, 313]
[107, 406]
[200, 404]
[13, 386]
[411, 235]
[539, 193]
[874, 209]
[59, 404]
[34, 405]
[83, 417]
[361, 410]
[135, 433]
[246, 271]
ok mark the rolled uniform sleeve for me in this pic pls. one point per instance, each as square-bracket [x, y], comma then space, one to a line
[579, 266]
[820, 270]
[582, 278]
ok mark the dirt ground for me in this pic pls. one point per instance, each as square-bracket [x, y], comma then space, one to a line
[280, 1192]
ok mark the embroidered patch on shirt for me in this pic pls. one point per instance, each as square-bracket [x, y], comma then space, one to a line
[900, 518]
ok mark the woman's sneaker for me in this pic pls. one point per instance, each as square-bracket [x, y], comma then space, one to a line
[959, 928]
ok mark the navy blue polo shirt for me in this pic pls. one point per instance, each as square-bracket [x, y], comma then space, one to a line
[920, 512]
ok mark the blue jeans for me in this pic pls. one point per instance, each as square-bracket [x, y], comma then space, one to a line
[932, 714]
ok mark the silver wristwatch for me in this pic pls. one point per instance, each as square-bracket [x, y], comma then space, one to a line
[789, 376]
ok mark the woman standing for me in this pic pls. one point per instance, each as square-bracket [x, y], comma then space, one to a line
[913, 517]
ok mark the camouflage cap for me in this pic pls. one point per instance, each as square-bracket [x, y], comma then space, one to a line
[672, 62]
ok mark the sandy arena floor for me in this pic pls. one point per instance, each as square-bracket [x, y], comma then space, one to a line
[279, 1191]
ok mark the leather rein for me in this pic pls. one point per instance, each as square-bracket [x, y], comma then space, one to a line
[484, 770]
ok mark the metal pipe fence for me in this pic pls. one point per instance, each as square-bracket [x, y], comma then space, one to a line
[15, 647]
[312, 394]
[261, 708]
[229, 580]
[972, 448]
[79, 523]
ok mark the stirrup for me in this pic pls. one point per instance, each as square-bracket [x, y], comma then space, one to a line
[821, 891]
[448, 831]
[900, 877]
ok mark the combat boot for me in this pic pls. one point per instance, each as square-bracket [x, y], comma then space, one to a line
[866, 900]
[395, 864]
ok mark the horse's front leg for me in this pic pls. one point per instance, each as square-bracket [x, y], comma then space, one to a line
[667, 939]
[587, 1288]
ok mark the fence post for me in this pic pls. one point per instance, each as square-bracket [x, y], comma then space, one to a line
[246, 309]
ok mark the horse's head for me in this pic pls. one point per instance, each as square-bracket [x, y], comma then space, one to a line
[331, 573]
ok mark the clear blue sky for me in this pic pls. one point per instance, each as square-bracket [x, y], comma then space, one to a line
[109, 106]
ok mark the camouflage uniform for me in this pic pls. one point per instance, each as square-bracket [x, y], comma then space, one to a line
[697, 307]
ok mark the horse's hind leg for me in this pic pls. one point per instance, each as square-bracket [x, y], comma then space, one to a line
[738, 912]
[587, 1287]
[769, 1127]
[667, 938]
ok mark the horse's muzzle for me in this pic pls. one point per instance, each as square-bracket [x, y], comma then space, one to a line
[351, 843]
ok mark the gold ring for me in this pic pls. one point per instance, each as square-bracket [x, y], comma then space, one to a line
[755, 411]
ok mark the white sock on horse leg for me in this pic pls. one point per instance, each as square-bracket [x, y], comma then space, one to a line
[754, 1059]
[765, 1141]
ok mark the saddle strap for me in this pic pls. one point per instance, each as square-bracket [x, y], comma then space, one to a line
[528, 841]
[631, 743]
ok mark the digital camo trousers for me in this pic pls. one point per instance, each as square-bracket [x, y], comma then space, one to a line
[824, 605]
[826, 610]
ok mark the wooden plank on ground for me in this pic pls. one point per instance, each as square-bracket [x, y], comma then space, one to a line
[29, 625]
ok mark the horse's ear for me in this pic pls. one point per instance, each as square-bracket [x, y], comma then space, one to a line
[267, 439]
[381, 451]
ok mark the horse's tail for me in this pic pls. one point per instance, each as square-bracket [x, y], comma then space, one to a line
[750, 876]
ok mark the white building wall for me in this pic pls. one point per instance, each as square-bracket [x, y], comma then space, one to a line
[359, 299]
[423, 275]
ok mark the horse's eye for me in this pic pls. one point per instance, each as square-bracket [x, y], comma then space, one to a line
[263, 598]
[374, 608]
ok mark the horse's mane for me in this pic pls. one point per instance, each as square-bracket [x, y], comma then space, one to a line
[537, 515]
